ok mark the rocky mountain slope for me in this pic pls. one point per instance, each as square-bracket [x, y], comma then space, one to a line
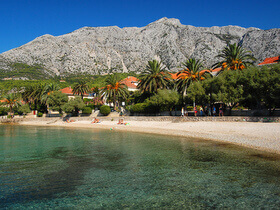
[100, 50]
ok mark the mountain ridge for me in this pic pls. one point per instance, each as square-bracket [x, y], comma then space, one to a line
[99, 50]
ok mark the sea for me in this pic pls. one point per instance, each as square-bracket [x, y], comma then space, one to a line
[68, 168]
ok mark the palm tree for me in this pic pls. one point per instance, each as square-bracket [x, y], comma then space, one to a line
[48, 89]
[234, 57]
[153, 78]
[81, 88]
[95, 90]
[192, 72]
[11, 101]
[114, 90]
[33, 93]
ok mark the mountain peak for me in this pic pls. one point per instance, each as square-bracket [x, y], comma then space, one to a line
[172, 21]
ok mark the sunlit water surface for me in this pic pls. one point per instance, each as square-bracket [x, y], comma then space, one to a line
[85, 169]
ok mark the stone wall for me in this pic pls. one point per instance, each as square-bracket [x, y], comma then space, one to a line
[151, 118]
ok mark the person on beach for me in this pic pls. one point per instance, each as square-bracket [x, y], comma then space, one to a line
[209, 111]
[214, 111]
[195, 110]
[95, 120]
[186, 112]
[201, 111]
[221, 112]
[182, 112]
[121, 122]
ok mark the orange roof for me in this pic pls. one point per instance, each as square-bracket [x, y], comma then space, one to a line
[130, 82]
[174, 76]
[67, 90]
[271, 60]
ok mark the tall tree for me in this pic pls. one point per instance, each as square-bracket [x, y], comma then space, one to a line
[48, 89]
[114, 89]
[153, 78]
[192, 72]
[73, 106]
[95, 90]
[56, 100]
[33, 93]
[11, 100]
[81, 88]
[234, 57]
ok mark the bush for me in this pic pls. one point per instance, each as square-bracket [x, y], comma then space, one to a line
[190, 108]
[92, 106]
[39, 114]
[9, 116]
[73, 106]
[87, 110]
[33, 107]
[4, 111]
[24, 109]
[105, 110]
[138, 108]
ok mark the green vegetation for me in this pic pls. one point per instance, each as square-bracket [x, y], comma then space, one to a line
[192, 72]
[234, 57]
[73, 106]
[238, 85]
[87, 110]
[81, 88]
[21, 70]
[153, 78]
[105, 110]
[25, 109]
[56, 100]
[3, 110]
[114, 90]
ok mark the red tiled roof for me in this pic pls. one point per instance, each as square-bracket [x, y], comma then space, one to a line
[130, 82]
[271, 60]
[174, 76]
[67, 90]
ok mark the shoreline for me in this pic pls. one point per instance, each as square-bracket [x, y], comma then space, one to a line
[260, 136]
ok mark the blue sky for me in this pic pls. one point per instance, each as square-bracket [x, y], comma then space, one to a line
[24, 20]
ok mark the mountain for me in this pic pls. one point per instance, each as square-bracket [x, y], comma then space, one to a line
[99, 50]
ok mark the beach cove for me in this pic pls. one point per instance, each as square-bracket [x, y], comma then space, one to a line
[264, 136]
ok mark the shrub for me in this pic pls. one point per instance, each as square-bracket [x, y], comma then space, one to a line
[138, 108]
[24, 109]
[33, 106]
[4, 111]
[73, 106]
[90, 105]
[39, 114]
[9, 116]
[190, 108]
[164, 100]
[105, 110]
[87, 110]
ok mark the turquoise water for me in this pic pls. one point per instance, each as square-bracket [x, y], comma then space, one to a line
[100, 169]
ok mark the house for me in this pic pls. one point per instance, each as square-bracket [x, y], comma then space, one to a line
[271, 60]
[131, 83]
[69, 92]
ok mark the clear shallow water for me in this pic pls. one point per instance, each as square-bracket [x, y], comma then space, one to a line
[68, 168]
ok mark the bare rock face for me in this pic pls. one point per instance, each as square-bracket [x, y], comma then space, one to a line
[98, 50]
